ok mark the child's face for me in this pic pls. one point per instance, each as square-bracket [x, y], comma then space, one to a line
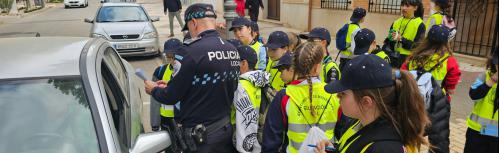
[349, 105]
[276, 54]
[243, 34]
[287, 74]
[170, 58]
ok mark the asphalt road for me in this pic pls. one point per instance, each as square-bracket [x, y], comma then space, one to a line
[57, 21]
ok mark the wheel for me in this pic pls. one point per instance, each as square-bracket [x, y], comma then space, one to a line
[65, 6]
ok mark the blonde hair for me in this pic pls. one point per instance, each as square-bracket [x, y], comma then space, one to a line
[305, 57]
[294, 41]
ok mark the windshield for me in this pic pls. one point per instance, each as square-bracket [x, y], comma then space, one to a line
[46, 115]
[121, 14]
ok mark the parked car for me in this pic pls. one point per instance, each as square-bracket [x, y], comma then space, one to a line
[128, 28]
[75, 95]
[75, 3]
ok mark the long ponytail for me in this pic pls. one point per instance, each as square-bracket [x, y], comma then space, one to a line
[403, 106]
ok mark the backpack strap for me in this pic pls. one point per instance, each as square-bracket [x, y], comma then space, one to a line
[422, 70]
[284, 102]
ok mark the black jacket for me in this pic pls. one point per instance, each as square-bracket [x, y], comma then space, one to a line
[254, 4]
[439, 113]
[171, 5]
[205, 83]
[381, 133]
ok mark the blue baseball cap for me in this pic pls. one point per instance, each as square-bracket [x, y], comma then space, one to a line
[172, 45]
[197, 11]
[363, 40]
[363, 72]
[247, 53]
[438, 34]
[277, 39]
[285, 61]
[318, 32]
[358, 14]
[240, 22]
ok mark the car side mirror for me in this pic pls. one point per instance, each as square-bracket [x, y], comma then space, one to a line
[87, 20]
[152, 142]
[154, 19]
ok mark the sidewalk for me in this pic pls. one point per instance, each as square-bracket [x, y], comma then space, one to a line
[461, 105]
[5, 18]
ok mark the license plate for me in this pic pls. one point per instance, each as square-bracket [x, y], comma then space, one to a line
[126, 46]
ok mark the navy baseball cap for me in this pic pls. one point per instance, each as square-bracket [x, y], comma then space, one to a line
[438, 34]
[240, 22]
[277, 39]
[318, 32]
[172, 45]
[363, 40]
[358, 14]
[235, 42]
[247, 53]
[285, 61]
[197, 11]
[363, 72]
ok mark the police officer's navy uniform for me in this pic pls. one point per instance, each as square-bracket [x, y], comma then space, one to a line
[204, 85]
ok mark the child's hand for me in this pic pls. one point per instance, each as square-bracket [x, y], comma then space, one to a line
[321, 146]
[492, 80]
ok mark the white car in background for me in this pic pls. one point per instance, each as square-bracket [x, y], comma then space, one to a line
[128, 28]
[75, 3]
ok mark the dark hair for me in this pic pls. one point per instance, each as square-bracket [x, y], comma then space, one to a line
[420, 11]
[294, 41]
[422, 54]
[402, 106]
[304, 58]
[443, 6]
[490, 66]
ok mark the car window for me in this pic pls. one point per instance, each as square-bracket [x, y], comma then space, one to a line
[118, 107]
[46, 115]
[117, 68]
[122, 14]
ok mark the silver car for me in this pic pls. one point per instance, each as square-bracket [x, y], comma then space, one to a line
[75, 95]
[128, 28]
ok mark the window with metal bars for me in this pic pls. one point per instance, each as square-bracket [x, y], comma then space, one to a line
[385, 6]
[336, 4]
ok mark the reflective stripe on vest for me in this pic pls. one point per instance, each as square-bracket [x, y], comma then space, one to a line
[483, 112]
[257, 46]
[349, 133]
[408, 28]
[167, 110]
[299, 122]
[351, 28]
[438, 73]
[275, 76]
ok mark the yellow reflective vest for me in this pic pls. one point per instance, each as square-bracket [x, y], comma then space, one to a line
[299, 115]
[257, 46]
[167, 110]
[408, 28]
[351, 28]
[328, 65]
[275, 76]
[483, 113]
[439, 72]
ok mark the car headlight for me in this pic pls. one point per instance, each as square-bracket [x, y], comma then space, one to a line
[96, 35]
[150, 35]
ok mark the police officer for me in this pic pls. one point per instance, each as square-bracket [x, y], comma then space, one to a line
[330, 70]
[209, 67]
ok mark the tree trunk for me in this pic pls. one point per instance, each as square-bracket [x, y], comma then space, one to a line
[13, 9]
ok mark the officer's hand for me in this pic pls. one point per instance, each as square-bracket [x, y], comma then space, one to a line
[321, 146]
[149, 85]
[161, 83]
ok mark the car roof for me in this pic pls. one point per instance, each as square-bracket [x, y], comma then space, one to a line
[28, 57]
[119, 4]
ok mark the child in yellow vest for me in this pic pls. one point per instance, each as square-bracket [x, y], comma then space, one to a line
[387, 105]
[302, 105]
[482, 133]
[365, 41]
[277, 46]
